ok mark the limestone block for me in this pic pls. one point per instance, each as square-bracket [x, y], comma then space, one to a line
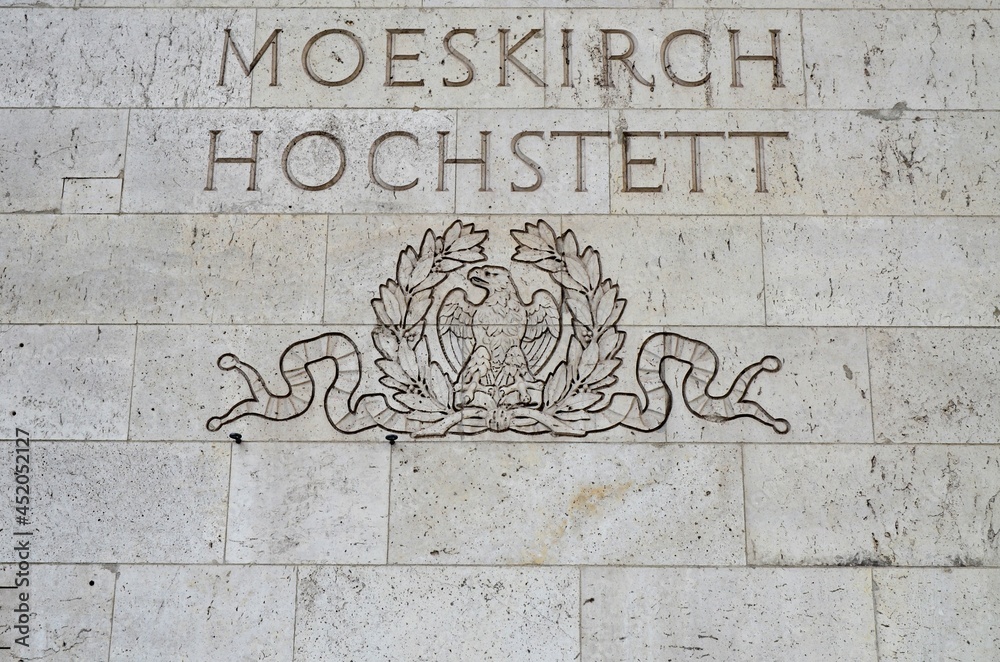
[230, 613]
[822, 388]
[727, 613]
[179, 385]
[927, 613]
[567, 182]
[308, 503]
[891, 60]
[169, 161]
[132, 59]
[41, 147]
[585, 83]
[118, 502]
[837, 162]
[685, 271]
[66, 382]
[882, 271]
[873, 505]
[418, 81]
[935, 385]
[170, 269]
[489, 503]
[91, 195]
[70, 612]
[444, 614]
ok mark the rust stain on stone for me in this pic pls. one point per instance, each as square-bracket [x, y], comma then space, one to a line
[589, 498]
[586, 502]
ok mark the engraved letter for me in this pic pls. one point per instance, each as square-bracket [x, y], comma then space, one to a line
[734, 47]
[581, 168]
[665, 58]
[622, 57]
[482, 162]
[391, 56]
[319, 187]
[758, 148]
[212, 160]
[272, 43]
[628, 161]
[567, 46]
[507, 55]
[527, 161]
[695, 152]
[460, 57]
[374, 152]
[332, 83]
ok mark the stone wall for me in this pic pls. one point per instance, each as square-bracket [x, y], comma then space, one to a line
[464, 331]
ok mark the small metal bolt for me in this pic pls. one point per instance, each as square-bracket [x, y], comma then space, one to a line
[392, 439]
[237, 437]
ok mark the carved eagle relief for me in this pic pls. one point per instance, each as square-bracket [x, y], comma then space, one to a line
[505, 374]
[498, 345]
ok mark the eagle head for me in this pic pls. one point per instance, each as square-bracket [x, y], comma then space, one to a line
[491, 278]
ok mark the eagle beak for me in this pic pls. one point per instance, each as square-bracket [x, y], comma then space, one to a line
[475, 278]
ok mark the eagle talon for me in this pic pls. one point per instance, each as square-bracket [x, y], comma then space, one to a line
[521, 390]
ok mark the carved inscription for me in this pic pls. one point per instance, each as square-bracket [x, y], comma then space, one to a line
[617, 48]
[483, 356]
[412, 56]
[631, 164]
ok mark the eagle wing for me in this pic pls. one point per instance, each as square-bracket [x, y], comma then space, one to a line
[455, 328]
[542, 329]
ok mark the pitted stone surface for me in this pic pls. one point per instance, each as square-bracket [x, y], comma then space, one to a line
[909, 505]
[98, 502]
[882, 271]
[308, 503]
[227, 612]
[743, 613]
[206, 268]
[177, 69]
[448, 614]
[91, 195]
[927, 612]
[41, 147]
[940, 382]
[72, 610]
[67, 382]
[573, 504]
[892, 61]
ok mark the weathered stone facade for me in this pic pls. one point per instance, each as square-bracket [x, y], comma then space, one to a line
[460, 330]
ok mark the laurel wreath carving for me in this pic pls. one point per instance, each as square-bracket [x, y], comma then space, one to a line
[577, 383]
[422, 388]
[420, 385]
